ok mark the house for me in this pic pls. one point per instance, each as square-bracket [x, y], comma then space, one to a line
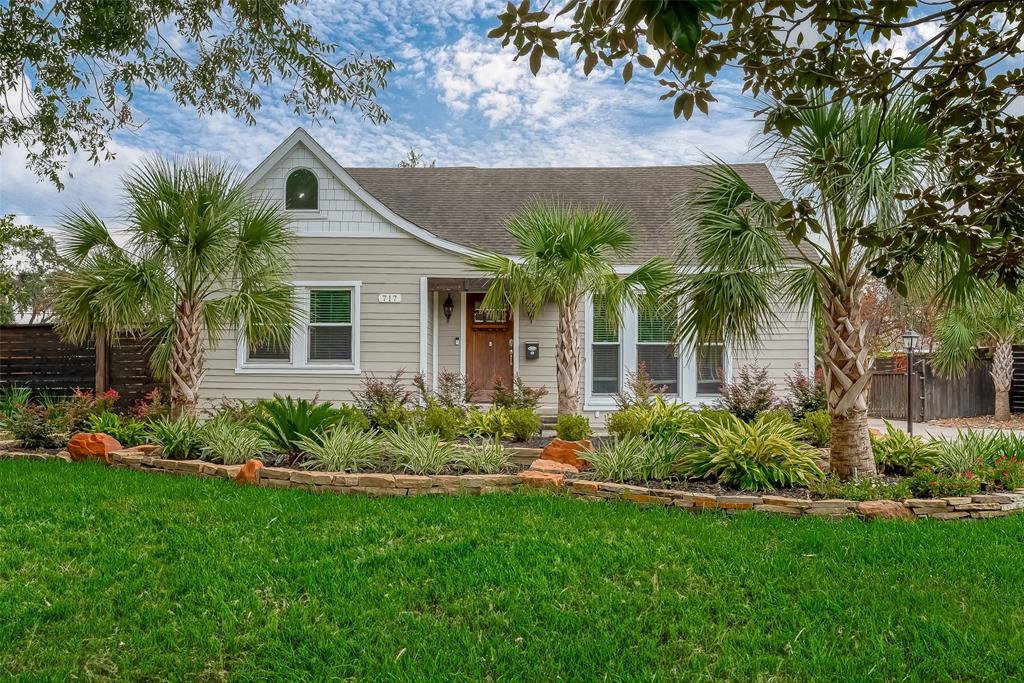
[383, 284]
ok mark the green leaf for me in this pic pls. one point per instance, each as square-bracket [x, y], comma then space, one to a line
[535, 57]
[627, 72]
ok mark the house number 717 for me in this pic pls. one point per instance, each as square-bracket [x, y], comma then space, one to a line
[389, 298]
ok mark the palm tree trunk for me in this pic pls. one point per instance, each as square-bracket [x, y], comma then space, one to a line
[186, 357]
[1002, 377]
[568, 362]
[847, 373]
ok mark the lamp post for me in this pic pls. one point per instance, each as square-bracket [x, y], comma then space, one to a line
[910, 341]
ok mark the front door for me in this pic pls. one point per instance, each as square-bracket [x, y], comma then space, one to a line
[489, 350]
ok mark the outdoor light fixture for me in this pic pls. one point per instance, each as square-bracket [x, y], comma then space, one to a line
[910, 342]
[448, 307]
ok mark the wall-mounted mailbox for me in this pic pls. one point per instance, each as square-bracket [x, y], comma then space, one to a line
[532, 350]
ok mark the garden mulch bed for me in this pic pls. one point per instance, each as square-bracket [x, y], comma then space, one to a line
[983, 422]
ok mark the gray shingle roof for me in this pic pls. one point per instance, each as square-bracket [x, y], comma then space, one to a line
[469, 205]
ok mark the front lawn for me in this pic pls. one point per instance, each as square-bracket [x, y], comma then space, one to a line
[113, 573]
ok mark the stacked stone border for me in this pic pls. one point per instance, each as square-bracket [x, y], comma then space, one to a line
[979, 506]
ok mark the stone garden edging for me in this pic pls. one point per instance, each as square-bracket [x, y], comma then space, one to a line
[978, 506]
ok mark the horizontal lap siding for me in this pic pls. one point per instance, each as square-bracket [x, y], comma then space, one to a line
[782, 347]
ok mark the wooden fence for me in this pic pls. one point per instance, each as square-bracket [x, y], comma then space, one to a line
[34, 356]
[934, 397]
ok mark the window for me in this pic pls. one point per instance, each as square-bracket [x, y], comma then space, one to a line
[271, 352]
[301, 190]
[655, 350]
[604, 352]
[330, 325]
[710, 368]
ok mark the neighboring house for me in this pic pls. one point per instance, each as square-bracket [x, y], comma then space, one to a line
[382, 282]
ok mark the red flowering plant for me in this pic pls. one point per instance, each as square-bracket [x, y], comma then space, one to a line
[930, 484]
[152, 406]
[1007, 472]
[83, 404]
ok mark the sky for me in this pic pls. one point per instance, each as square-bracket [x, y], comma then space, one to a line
[454, 96]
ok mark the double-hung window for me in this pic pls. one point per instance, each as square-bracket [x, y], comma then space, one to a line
[654, 349]
[329, 331]
[605, 352]
[270, 352]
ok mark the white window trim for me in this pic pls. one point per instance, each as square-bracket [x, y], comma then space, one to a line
[628, 364]
[316, 214]
[299, 363]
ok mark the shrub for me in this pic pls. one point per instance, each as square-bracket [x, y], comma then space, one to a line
[494, 423]
[12, 399]
[629, 422]
[447, 423]
[778, 413]
[231, 442]
[419, 453]
[1006, 473]
[806, 394]
[930, 484]
[83, 404]
[180, 438]
[751, 394]
[572, 427]
[868, 488]
[763, 454]
[152, 406]
[384, 401]
[283, 421]
[342, 449]
[817, 424]
[971, 447]
[638, 389]
[128, 432]
[236, 410]
[453, 389]
[483, 457]
[617, 460]
[522, 423]
[351, 416]
[518, 396]
[896, 452]
[38, 426]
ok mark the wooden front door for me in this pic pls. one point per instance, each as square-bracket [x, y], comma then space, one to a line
[489, 350]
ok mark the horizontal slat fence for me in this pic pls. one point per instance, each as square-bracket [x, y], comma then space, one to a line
[933, 397]
[34, 356]
[1017, 392]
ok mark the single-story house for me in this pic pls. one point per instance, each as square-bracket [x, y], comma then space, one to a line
[382, 280]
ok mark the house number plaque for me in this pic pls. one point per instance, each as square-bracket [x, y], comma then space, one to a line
[389, 298]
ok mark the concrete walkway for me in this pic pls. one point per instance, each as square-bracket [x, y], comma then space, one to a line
[924, 430]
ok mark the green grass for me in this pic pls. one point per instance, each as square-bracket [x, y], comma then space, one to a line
[113, 573]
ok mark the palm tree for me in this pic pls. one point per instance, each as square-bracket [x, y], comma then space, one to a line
[991, 317]
[564, 253]
[200, 255]
[847, 170]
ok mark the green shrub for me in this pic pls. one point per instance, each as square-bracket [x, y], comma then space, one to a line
[637, 459]
[179, 438]
[128, 432]
[896, 452]
[930, 484]
[868, 488]
[1007, 472]
[351, 416]
[806, 394]
[447, 423]
[483, 457]
[283, 421]
[518, 396]
[777, 413]
[572, 427]
[83, 404]
[972, 449]
[629, 422]
[763, 454]
[384, 401]
[231, 442]
[342, 449]
[752, 393]
[817, 424]
[494, 423]
[38, 426]
[419, 453]
[12, 399]
[522, 423]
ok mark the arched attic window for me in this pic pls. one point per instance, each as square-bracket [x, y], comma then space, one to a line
[301, 191]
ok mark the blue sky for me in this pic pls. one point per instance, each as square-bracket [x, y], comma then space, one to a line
[455, 96]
